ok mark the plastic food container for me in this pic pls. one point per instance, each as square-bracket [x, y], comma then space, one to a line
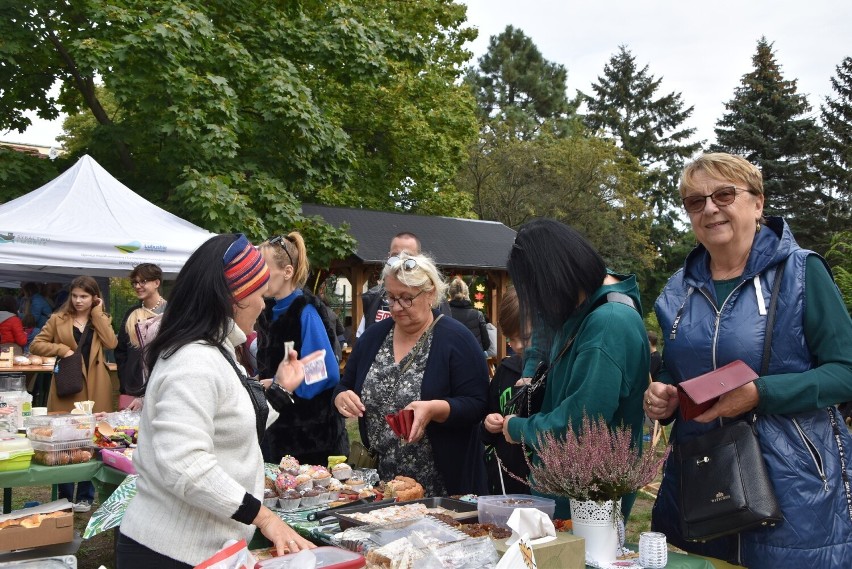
[497, 509]
[55, 428]
[15, 452]
[120, 460]
[58, 454]
[326, 558]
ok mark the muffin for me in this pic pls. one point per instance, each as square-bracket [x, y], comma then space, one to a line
[312, 497]
[356, 483]
[334, 487]
[290, 500]
[270, 498]
[304, 482]
[342, 471]
[285, 482]
[289, 465]
[321, 477]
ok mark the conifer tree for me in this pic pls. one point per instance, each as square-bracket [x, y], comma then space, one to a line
[767, 123]
[834, 161]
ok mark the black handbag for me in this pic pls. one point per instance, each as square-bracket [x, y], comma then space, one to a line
[68, 372]
[724, 484]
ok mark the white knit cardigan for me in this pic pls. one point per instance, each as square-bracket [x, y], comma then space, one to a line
[197, 457]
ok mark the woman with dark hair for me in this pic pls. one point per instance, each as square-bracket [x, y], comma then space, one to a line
[145, 279]
[34, 303]
[310, 429]
[80, 323]
[598, 360]
[200, 468]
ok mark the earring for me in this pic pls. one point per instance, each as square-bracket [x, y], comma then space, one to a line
[757, 221]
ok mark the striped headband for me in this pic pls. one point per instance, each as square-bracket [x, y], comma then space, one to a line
[245, 269]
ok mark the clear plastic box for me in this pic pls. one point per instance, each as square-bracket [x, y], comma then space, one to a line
[497, 509]
[59, 428]
[61, 453]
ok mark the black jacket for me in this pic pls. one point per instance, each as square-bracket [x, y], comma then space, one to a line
[464, 312]
[310, 428]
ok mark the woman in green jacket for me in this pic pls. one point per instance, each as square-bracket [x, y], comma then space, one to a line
[598, 359]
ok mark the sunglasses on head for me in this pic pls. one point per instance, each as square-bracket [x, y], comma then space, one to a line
[408, 264]
[279, 240]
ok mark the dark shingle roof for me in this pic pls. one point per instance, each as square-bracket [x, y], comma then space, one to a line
[451, 241]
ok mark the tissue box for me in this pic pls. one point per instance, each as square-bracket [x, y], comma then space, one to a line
[567, 551]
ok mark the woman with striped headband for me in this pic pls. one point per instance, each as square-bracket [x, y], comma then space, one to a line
[200, 467]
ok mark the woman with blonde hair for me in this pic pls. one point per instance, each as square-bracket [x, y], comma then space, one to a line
[145, 279]
[462, 310]
[309, 429]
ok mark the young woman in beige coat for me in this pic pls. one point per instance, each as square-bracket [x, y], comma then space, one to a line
[84, 310]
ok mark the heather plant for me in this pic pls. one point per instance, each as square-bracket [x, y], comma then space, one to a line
[597, 463]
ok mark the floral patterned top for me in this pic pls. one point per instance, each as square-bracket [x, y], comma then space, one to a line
[388, 388]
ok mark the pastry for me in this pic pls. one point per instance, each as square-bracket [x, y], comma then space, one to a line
[289, 465]
[285, 482]
[304, 482]
[404, 488]
[342, 471]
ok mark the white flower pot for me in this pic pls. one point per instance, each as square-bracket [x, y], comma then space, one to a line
[597, 524]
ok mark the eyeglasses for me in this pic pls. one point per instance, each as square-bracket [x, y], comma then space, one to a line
[721, 197]
[408, 264]
[279, 240]
[403, 302]
[142, 282]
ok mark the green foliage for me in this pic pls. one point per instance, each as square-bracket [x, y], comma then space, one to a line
[767, 123]
[517, 90]
[585, 182]
[21, 173]
[231, 113]
[834, 160]
[839, 255]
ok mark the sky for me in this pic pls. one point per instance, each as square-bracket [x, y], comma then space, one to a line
[700, 50]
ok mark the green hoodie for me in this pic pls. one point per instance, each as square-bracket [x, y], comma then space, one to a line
[604, 373]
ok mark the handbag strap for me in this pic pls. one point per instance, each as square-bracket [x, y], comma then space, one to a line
[260, 412]
[770, 320]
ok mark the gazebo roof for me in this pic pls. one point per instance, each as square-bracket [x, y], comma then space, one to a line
[452, 242]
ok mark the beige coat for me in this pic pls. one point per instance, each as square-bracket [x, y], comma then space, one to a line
[57, 339]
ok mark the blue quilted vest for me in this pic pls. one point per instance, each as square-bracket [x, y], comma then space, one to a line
[802, 451]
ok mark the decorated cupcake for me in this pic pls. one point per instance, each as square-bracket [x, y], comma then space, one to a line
[290, 500]
[289, 465]
[321, 476]
[312, 497]
[285, 482]
[304, 482]
[334, 487]
[342, 471]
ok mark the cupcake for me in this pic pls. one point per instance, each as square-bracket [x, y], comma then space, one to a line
[334, 487]
[312, 497]
[270, 498]
[356, 483]
[289, 465]
[290, 500]
[342, 471]
[321, 477]
[304, 482]
[284, 482]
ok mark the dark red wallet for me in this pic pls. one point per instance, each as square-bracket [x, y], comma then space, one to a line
[401, 422]
[698, 394]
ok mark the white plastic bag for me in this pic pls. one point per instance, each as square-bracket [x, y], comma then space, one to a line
[234, 555]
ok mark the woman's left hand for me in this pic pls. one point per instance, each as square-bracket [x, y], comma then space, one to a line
[283, 537]
[506, 434]
[732, 404]
[424, 413]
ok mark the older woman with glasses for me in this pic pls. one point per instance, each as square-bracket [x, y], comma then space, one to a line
[145, 279]
[426, 363]
[716, 310]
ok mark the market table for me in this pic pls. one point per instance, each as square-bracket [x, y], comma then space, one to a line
[39, 475]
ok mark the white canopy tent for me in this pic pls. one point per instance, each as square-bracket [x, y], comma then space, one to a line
[85, 222]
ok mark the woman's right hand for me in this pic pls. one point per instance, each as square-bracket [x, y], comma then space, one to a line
[349, 404]
[291, 372]
[494, 423]
[660, 401]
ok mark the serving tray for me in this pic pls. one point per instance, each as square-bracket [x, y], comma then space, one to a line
[459, 510]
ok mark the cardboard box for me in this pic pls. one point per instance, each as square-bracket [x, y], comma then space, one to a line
[59, 529]
[567, 551]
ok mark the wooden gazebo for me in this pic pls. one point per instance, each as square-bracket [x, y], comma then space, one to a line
[458, 246]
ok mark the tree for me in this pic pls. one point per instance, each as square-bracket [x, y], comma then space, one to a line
[584, 181]
[231, 113]
[767, 124]
[517, 90]
[840, 257]
[626, 108]
[21, 173]
[834, 160]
